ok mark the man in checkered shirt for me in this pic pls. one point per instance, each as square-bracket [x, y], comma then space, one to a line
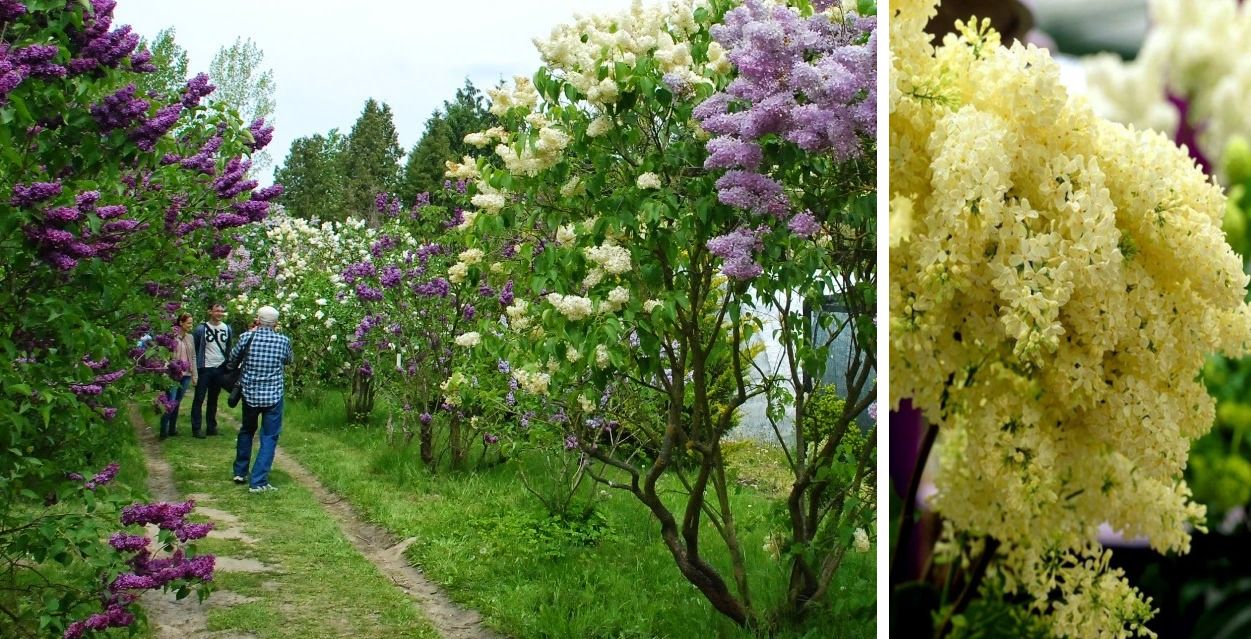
[268, 353]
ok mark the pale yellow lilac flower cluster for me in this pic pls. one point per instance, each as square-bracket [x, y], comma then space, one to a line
[469, 340]
[580, 51]
[1199, 50]
[532, 382]
[573, 307]
[1055, 285]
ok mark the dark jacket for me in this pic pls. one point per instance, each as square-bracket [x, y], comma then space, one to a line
[198, 336]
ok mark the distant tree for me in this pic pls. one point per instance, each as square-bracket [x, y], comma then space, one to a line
[313, 177]
[444, 139]
[245, 86]
[171, 63]
[371, 158]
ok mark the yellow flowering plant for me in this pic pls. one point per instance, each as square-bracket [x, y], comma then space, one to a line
[1056, 280]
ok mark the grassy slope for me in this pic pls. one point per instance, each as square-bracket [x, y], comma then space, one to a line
[478, 534]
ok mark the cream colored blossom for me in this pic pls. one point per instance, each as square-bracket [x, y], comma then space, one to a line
[466, 170]
[565, 235]
[457, 272]
[469, 340]
[532, 382]
[470, 256]
[861, 541]
[599, 126]
[651, 305]
[573, 187]
[1065, 276]
[1200, 51]
[648, 181]
[614, 259]
[467, 219]
[572, 307]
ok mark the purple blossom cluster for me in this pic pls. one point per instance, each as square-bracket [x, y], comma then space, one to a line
[382, 244]
[262, 134]
[812, 82]
[114, 616]
[196, 89]
[165, 404]
[387, 204]
[94, 364]
[353, 272]
[11, 9]
[146, 572]
[203, 161]
[506, 294]
[231, 182]
[426, 250]
[106, 475]
[28, 194]
[32, 61]
[268, 193]
[391, 276]
[97, 45]
[437, 287]
[120, 109]
[738, 248]
[367, 293]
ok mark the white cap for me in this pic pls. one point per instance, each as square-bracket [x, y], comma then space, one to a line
[267, 315]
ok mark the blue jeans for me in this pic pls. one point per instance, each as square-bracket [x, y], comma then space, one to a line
[210, 384]
[169, 421]
[270, 418]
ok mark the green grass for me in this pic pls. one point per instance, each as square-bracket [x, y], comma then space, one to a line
[491, 546]
[318, 585]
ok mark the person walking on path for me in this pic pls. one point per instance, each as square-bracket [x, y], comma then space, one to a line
[212, 344]
[184, 360]
[267, 353]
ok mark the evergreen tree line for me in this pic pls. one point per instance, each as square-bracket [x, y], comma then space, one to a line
[337, 176]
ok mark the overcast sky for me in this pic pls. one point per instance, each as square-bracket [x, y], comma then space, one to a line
[328, 58]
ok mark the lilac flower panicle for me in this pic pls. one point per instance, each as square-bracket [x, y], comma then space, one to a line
[506, 294]
[119, 110]
[391, 276]
[261, 134]
[187, 532]
[86, 200]
[154, 128]
[106, 475]
[367, 293]
[804, 224]
[196, 89]
[111, 211]
[268, 193]
[27, 194]
[123, 541]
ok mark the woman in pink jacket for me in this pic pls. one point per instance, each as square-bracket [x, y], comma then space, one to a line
[184, 356]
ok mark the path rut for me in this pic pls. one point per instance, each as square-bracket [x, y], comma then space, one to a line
[173, 619]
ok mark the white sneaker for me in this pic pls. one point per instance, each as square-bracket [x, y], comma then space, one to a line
[264, 488]
[239, 479]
